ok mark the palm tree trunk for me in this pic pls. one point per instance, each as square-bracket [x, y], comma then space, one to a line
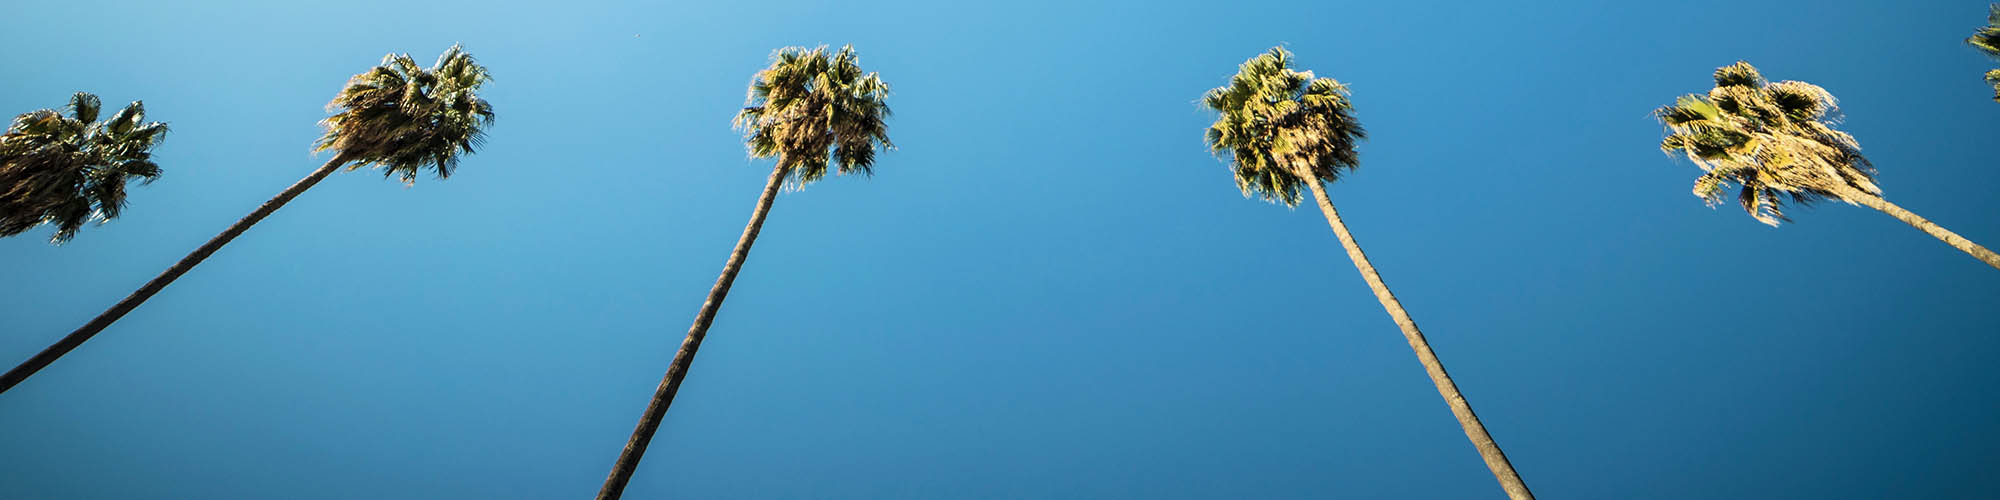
[76, 338]
[1490, 451]
[1922, 224]
[663, 397]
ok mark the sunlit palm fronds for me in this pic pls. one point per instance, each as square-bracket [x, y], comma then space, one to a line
[1774, 140]
[1279, 127]
[809, 101]
[405, 118]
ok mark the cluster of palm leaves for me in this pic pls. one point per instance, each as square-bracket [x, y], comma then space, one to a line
[1283, 132]
[1987, 40]
[68, 170]
[1776, 140]
[1281, 127]
[406, 118]
[808, 102]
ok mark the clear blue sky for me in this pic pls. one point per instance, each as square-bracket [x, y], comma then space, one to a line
[1051, 291]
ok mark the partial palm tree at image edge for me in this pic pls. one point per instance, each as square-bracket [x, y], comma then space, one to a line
[398, 116]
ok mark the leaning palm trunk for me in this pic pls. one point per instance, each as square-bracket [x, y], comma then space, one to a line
[1922, 224]
[663, 397]
[1490, 451]
[76, 338]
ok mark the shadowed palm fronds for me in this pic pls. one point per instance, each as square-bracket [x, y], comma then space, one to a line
[66, 170]
[405, 118]
[1987, 40]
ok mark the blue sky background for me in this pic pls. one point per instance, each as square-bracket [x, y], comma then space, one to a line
[1051, 291]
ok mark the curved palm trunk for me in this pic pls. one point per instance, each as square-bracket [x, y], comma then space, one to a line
[76, 338]
[1495, 459]
[663, 397]
[1925, 225]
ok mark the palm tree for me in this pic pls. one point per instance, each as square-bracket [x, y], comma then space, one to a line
[810, 109]
[65, 171]
[1987, 40]
[1281, 129]
[1777, 141]
[399, 116]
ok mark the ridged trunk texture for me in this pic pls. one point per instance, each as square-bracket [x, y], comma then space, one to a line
[1488, 450]
[76, 338]
[1925, 225]
[663, 397]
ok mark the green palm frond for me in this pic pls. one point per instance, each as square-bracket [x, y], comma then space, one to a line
[1987, 40]
[1993, 78]
[405, 118]
[1278, 128]
[1802, 102]
[1774, 139]
[1741, 74]
[83, 107]
[68, 171]
[812, 109]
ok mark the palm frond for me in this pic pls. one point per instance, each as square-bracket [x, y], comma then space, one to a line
[68, 171]
[407, 119]
[1771, 139]
[83, 107]
[1993, 78]
[1741, 74]
[1278, 128]
[1987, 40]
[813, 109]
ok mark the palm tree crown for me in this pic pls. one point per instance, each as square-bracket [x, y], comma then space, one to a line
[405, 118]
[1987, 40]
[1276, 124]
[1776, 140]
[807, 101]
[67, 170]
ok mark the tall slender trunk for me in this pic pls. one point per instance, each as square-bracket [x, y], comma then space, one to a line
[663, 397]
[76, 338]
[1922, 224]
[1488, 450]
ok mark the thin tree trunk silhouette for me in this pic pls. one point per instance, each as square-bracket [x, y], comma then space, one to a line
[76, 338]
[663, 397]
